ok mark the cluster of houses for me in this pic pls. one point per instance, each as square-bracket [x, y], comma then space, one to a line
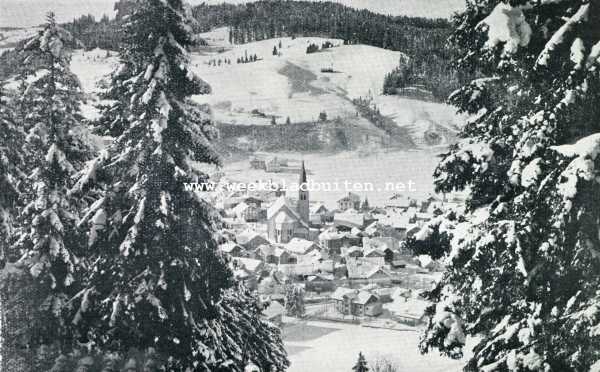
[273, 240]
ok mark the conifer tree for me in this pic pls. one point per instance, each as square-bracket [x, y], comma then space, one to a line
[155, 281]
[11, 166]
[524, 262]
[294, 300]
[361, 364]
[39, 277]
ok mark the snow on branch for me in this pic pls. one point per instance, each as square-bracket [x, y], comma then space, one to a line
[507, 25]
[559, 36]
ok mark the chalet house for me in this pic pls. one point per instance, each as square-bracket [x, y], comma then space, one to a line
[331, 241]
[319, 214]
[301, 247]
[355, 302]
[363, 269]
[350, 201]
[373, 252]
[251, 240]
[408, 310]
[233, 249]
[247, 212]
[274, 255]
[353, 252]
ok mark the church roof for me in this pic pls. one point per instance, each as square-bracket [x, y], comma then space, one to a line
[283, 203]
[283, 217]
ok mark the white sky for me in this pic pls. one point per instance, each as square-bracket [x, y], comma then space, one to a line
[24, 13]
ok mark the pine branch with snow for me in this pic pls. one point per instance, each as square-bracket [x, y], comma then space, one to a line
[523, 265]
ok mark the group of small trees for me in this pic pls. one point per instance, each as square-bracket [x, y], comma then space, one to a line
[219, 62]
[108, 263]
[247, 59]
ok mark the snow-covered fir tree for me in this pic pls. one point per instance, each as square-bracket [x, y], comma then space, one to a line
[11, 166]
[361, 364]
[39, 276]
[524, 262]
[294, 300]
[155, 281]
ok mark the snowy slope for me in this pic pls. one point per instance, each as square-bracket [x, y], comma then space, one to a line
[292, 84]
[10, 37]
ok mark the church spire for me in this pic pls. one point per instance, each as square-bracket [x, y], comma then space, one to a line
[302, 174]
[303, 208]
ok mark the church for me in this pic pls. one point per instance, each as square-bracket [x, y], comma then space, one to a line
[287, 220]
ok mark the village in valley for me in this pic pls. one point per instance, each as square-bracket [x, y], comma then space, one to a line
[344, 264]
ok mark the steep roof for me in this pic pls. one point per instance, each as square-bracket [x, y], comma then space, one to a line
[342, 293]
[299, 246]
[364, 298]
[282, 203]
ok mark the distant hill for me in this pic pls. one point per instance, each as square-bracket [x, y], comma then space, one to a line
[297, 88]
[423, 40]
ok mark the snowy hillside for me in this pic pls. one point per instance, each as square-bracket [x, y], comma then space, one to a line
[293, 85]
[288, 85]
[10, 37]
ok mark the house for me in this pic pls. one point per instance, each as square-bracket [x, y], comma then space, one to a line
[367, 304]
[320, 215]
[274, 255]
[388, 245]
[251, 240]
[408, 310]
[350, 201]
[379, 229]
[350, 217]
[274, 312]
[373, 252]
[362, 269]
[256, 163]
[320, 283]
[356, 302]
[233, 249]
[301, 247]
[251, 266]
[342, 298]
[426, 262]
[331, 241]
[352, 252]
[249, 209]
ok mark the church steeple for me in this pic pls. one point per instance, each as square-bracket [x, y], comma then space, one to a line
[303, 200]
[302, 174]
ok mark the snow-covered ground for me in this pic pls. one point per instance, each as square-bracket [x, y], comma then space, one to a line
[334, 347]
[91, 67]
[292, 84]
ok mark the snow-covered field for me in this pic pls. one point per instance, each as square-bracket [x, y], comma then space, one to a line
[292, 84]
[377, 169]
[334, 347]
